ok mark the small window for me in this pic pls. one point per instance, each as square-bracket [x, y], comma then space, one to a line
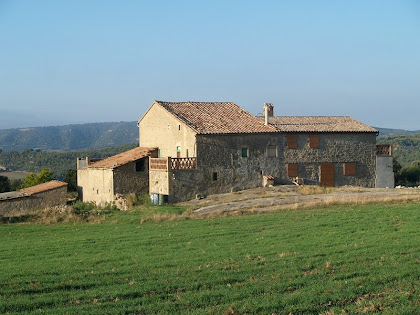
[292, 141]
[349, 169]
[169, 127]
[314, 141]
[178, 149]
[159, 153]
[244, 152]
[179, 127]
[292, 170]
[271, 151]
[214, 176]
[187, 153]
[140, 165]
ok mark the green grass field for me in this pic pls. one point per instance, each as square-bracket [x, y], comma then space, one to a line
[357, 258]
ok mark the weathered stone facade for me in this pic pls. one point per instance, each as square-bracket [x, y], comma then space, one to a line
[222, 168]
[24, 204]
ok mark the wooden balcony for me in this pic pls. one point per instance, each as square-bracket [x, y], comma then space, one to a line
[383, 150]
[167, 164]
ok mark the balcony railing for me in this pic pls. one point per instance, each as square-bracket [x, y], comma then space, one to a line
[184, 164]
[166, 164]
[384, 150]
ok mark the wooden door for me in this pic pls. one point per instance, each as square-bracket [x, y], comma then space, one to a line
[327, 175]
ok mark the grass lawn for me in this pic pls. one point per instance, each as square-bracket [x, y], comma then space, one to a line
[357, 258]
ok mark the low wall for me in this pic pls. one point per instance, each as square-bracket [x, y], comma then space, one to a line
[23, 205]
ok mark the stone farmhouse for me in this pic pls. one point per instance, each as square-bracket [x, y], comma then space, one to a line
[200, 148]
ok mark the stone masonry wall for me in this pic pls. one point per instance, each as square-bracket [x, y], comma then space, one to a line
[127, 180]
[222, 154]
[42, 200]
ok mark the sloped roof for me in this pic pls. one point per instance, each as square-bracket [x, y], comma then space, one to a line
[318, 124]
[216, 117]
[122, 158]
[43, 187]
[11, 195]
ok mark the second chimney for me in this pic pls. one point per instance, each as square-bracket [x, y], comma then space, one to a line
[268, 112]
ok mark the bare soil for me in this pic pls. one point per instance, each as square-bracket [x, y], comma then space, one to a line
[293, 197]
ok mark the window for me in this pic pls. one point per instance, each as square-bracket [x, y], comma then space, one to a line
[271, 151]
[187, 154]
[140, 165]
[169, 127]
[349, 169]
[314, 141]
[179, 127]
[178, 149]
[292, 141]
[214, 176]
[292, 170]
[244, 152]
[159, 153]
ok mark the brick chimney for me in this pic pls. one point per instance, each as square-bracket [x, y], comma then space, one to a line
[268, 112]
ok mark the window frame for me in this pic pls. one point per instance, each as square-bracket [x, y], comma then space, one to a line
[268, 150]
[246, 150]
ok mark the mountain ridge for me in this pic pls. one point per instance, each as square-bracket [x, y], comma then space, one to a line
[94, 136]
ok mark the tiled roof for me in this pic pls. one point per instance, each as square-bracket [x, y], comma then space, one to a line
[122, 158]
[318, 124]
[11, 195]
[216, 117]
[43, 187]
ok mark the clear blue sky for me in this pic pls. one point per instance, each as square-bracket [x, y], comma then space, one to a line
[89, 61]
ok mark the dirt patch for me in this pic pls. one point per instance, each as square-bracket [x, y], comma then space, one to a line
[293, 197]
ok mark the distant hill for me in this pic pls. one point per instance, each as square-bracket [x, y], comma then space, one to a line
[69, 137]
[384, 132]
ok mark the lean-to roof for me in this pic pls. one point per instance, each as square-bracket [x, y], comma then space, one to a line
[122, 158]
[42, 187]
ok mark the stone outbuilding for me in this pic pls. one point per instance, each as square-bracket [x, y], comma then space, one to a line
[50, 194]
[101, 181]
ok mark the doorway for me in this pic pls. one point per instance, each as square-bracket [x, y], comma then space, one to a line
[327, 175]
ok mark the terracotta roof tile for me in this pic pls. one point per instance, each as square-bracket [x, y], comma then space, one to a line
[318, 124]
[216, 117]
[122, 158]
[43, 187]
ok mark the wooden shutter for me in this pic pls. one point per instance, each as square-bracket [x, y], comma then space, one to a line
[314, 141]
[349, 169]
[292, 141]
[292, 170]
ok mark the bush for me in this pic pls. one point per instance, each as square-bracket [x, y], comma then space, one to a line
[81, 206]
[137, 200]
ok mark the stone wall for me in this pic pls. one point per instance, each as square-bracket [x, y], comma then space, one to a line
[127, 180]
[159, 128]
[95, 185]
[42, 200]
[222, 155]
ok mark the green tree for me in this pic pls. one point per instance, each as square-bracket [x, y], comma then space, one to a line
[4, 184]
[71, 179]
[411, 174]
[33, 179]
